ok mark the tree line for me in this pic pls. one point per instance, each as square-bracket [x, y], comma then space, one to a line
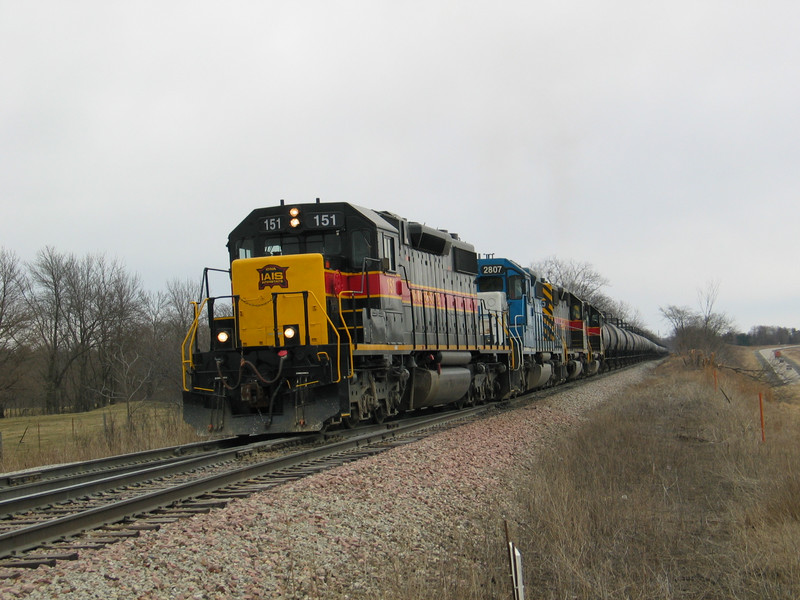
[710, 330]
[766, 335]
[78, 333]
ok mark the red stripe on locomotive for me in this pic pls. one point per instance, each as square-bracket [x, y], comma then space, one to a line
[392, 286]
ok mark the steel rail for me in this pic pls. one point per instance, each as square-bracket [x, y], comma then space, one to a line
[38, 534]
[79, 490]
[17, 479]
[75, 478]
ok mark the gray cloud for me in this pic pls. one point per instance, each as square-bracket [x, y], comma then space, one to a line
[658, 142]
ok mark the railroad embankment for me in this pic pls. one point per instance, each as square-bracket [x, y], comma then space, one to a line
[654, 482]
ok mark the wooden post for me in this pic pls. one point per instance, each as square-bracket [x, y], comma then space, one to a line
[761, 410]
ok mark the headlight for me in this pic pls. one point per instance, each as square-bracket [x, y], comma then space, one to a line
[223, 336]
[294, 211]
[291, 334]
[295, 222]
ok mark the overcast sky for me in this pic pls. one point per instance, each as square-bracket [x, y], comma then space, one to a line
[658, 141]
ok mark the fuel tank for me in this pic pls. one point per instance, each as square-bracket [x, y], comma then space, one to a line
[432, 388]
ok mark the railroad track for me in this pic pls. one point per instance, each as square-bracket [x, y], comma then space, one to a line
[52, 476]
[48, 525]
[53, 521]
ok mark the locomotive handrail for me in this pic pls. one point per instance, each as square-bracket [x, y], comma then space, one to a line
[512, 339]
[492, 318]
[520, 338]
[205, 290]
[191, 340]
[346, 329]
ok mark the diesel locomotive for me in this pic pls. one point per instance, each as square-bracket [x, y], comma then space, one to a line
[339, 314]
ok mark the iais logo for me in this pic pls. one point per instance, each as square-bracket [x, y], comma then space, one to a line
[272, 275]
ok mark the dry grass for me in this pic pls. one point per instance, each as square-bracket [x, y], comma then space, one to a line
[667, 493]
[49, 439]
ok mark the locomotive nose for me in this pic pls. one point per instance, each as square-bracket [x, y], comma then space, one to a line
[281, 300]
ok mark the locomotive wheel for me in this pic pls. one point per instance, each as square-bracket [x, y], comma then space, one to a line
[379, 415]
[351, 420]
[461, 402]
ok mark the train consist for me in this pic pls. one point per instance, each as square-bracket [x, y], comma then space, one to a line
[339, 314]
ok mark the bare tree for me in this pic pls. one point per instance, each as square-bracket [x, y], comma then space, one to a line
[180, 295]
[702, 330]
[13, 323]
[580, 278]
[120, 301]
[82, 311]
[84, 319]
[46, 300]
[714, 323]
[164, 334]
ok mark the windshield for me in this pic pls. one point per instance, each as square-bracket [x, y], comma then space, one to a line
[327, 244]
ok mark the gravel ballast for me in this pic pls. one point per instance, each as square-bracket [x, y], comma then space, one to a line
[335, 534]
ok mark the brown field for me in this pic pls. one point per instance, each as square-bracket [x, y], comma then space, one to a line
[118, 429]
[667, 493]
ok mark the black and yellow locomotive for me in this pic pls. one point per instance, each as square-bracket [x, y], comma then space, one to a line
[338, 314]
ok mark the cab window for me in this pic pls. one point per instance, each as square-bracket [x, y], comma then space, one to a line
[490, 284]
[516, 287]
[389, 252]
[245, 248]
[328, 244]
[576, 312]
[361, 248]
[285, 244]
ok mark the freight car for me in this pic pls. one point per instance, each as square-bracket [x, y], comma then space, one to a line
[340, 314]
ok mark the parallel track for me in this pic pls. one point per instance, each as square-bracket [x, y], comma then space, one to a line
[42, 478]
[143, 499]
[58, 520]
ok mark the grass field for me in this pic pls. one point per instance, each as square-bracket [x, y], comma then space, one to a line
[666, 493]
[40, 440]
[671, 493]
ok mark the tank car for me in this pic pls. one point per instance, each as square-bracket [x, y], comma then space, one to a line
[624, 345]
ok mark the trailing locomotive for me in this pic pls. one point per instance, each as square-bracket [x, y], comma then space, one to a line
[341, 314]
